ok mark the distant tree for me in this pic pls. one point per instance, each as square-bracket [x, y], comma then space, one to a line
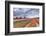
[24, 17]
[16, 17]
[20, 17]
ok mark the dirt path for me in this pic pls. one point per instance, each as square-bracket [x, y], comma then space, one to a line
[33, 23]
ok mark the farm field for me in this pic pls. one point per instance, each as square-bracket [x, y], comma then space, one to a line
[19, 23]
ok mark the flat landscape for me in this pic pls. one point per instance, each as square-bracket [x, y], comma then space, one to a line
[19, 23]
[25, 17]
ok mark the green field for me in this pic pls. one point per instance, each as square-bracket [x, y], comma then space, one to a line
[21, 23]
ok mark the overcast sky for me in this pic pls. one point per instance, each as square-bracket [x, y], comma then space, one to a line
[27, 12]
